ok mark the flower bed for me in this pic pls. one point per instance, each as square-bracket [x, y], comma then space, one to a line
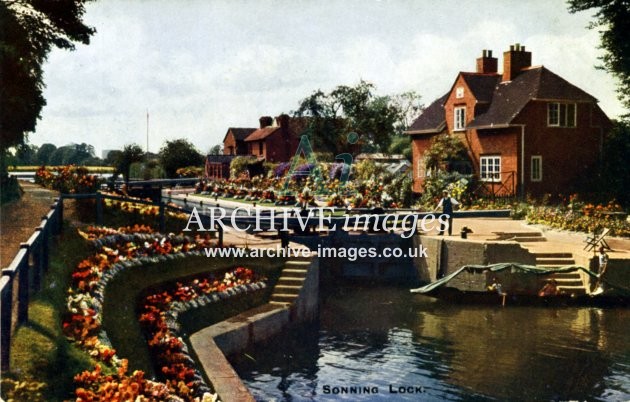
[67, 179]
[159, 320]
[578, 221]
[118, 250]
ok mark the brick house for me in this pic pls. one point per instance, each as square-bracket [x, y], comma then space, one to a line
[527, 130]
[277, 139]
[218, 166]
[234, 141]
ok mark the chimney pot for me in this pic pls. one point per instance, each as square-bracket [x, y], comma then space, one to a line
[486, 64]
[265, 121]
[515, 60]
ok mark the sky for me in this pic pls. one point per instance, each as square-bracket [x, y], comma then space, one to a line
[199, 67]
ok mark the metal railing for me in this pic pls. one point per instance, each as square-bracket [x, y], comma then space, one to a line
[505, 187]
[24, 277]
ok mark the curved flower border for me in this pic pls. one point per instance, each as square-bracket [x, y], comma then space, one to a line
[117, 250]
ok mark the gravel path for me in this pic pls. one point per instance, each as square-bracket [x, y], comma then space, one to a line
[19, 218]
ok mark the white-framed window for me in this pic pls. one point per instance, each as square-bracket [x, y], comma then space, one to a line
[421, 169]
[537, 168]
[490, 168]
[459, 92]
[460, 118]
[561, 114]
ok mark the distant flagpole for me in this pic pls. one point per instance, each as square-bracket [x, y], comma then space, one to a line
[147, 131]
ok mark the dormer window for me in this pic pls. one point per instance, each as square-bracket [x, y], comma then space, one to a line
[561, 114]
[459, 92]
[460, 118]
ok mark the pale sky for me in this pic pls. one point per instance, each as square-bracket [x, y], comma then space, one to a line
[201, 66]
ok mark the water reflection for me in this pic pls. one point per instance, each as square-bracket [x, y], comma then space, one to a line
[374, 338]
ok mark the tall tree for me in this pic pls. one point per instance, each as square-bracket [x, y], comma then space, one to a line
[376, 119]
[26, 154]
[612, 20]
[177, 154]
[123, 159]
[216, 150]
[30, 28]
[44, 153]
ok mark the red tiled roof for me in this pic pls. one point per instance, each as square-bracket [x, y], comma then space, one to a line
[506, 99]
[534, 83]
[432, 118]
[482, 85]
[261, 133]
[239, 133]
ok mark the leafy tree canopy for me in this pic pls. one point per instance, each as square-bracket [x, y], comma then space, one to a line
[612, 20]
[30, 28]
[72, 154]
[44, 153]
[216, 150]
[122, 160]
[445, 150]
[177, 154]
[615, 173]
[377, 119]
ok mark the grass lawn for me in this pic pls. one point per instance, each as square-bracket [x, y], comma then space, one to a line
[46, 362]
[39, 350]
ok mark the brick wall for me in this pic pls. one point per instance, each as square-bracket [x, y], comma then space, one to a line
[229, 145]
[567, 153]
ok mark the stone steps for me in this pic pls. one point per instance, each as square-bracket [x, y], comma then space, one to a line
[521, 237]
[554, 262]
[290, 282]
[567, 282]
[528, 239]
[570, 289]
[283, 297]
[294, 273]
[553, 255]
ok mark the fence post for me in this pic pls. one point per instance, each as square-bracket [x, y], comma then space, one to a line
[162, 218]
[99, 209]
[37, 251]
[45, 228]
[6, 298]
[59, 226]
[23, 284]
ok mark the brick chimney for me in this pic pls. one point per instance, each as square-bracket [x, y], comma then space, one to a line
[265, 121]
[514, 61]
[283, 120]
[486, 64]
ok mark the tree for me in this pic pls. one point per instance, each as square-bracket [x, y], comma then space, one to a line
[25, 154]
[216, 150]
[401, 145]
[30, 28]
[177, 154]
[612, 19]
[44, 153]
[614, 179]
[376, 119]
[72, 154]
[130, 154]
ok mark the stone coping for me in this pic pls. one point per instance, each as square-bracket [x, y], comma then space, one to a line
[213, 343]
